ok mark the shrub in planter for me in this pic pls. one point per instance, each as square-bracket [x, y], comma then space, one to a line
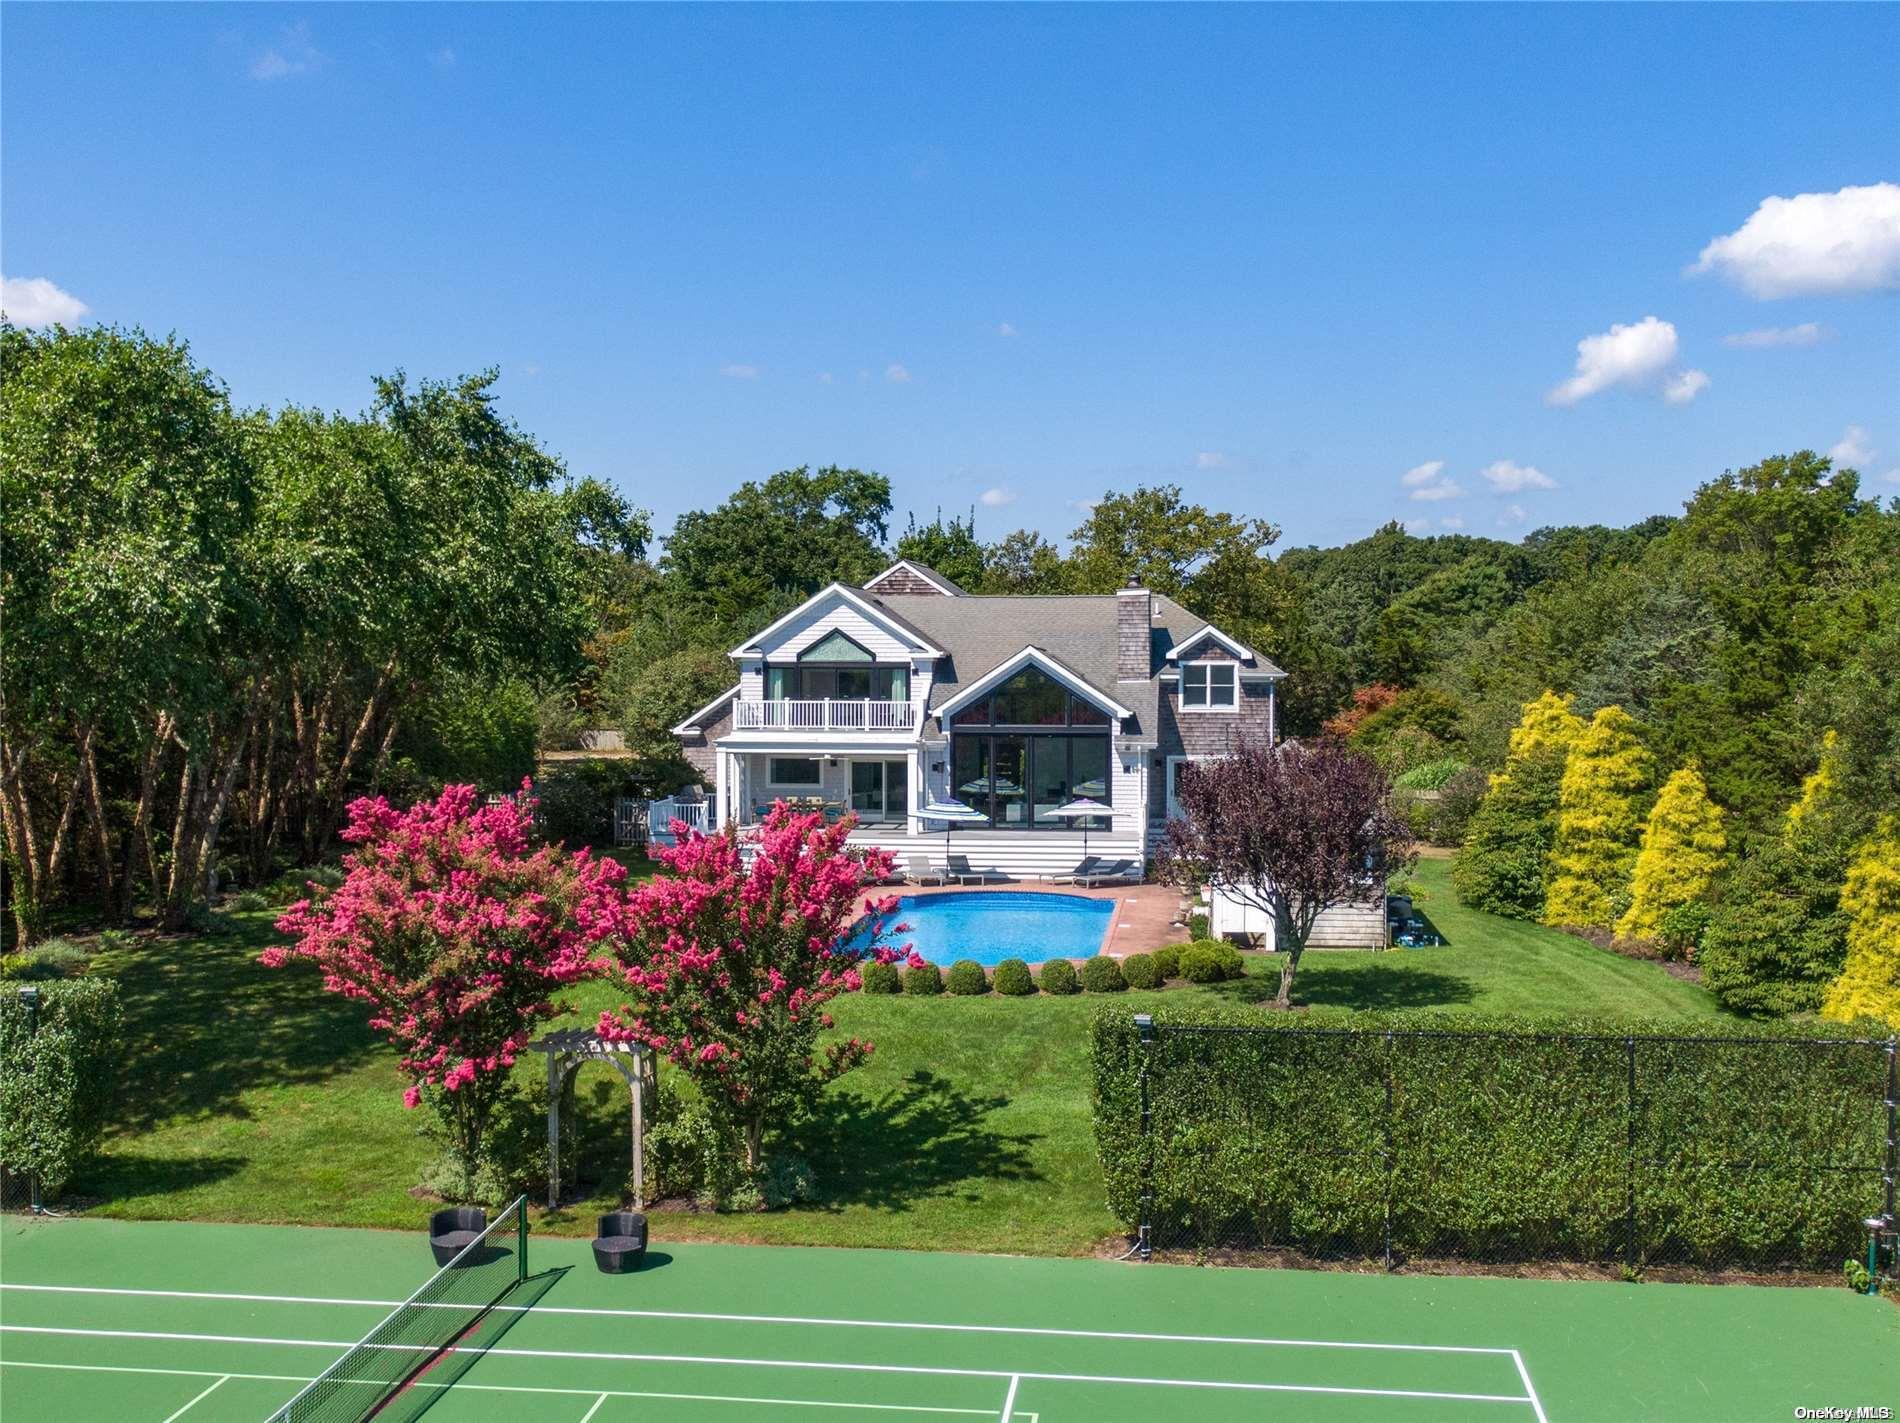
[967, 979]
[875, 977]
[1140, 971]
[1167, 960]
[922, 980]
[1103, 974]
[1012, 979]
[1058, 976]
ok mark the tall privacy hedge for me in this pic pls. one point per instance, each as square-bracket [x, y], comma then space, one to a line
[1496, 1139]
[57, 1086]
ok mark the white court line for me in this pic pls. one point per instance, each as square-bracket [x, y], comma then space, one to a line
[596, 1394]
[816, 1321]
[1009, 1399]
[223, 1379]
[599, 1403]
[811, 1364]
[1525, 1374]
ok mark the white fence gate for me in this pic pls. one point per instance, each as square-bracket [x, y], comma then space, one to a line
[660, 815]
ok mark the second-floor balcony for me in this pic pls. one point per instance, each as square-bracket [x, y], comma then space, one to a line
[828, 714]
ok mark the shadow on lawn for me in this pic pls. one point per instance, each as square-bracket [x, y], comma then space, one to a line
[205, 1022]
[1392, 980]
[120, 1175]
[922, 1139]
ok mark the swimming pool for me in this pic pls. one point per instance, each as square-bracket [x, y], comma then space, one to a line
[992, 925]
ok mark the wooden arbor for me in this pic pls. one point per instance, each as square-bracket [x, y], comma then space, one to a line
[571, 1048]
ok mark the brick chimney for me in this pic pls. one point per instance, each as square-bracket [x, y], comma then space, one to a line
[1134, 616]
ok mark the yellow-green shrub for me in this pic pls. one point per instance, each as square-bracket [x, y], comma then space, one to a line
[1683, 851]
[1599, 821]
[1869, 985]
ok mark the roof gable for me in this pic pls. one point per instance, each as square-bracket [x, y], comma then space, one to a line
[899, 628]
[1054, 667]
[1201, 635]
[904, 575]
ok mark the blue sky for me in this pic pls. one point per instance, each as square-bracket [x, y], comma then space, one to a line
[1010, 257]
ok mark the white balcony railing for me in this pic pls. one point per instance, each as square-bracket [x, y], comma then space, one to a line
[828, 715]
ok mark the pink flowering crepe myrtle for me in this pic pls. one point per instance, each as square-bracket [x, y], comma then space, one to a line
[731, 963]
[457, 934]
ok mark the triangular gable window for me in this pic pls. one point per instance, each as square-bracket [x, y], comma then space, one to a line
[835, 647]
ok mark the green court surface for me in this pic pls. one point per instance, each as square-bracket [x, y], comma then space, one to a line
[178, 1323]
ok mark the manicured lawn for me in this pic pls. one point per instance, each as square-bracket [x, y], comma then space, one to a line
[252, 1095]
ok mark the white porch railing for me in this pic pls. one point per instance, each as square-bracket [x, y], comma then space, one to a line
[662, 813]
[830, 715]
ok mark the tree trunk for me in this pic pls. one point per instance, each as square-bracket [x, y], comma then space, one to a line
[107, 887]
[1284, 998]
[141, 829]
[754, 1140]
[339, 786]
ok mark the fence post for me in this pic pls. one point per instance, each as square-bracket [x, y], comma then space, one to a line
[1893, 1157]
[1387, 1153]
[30, 1001]
[1144, 1239]
[1629, 1185]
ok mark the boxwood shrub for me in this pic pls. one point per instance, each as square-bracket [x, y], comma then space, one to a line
[1168, 960]
[1140, 971]
[1058, 976]
[967, 979]
[875, 977]
[1496, 1138]
[1012, 979]
[59, 1085]
[1102, 974]
[923, 979]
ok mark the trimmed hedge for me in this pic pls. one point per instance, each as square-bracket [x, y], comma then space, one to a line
[1012, 979]
[1058, 976]
[1102, 974]
[57, 1084]
[1168, 960]
[923, 980]
[1211, 961]
[875, 977]
[1140, 971]
[1496, 1139]
[967, 979]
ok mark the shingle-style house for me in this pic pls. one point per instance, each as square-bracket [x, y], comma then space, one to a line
[909, 691]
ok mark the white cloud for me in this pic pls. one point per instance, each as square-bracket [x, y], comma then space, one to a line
[1209, 459]
[1806, 334]
[738, 370]
[1685, 386]
[1087, 506]
[1421, 473]
[292, 54]
[1510, 477]
[1452, 521]
[1513, 514]
[1813, 244]
[896, 374]
[1638, 355]
[1854, 448]
[1444, 489]
[1005, 329]
[1892, 476]
[996, 498]
[34, 301]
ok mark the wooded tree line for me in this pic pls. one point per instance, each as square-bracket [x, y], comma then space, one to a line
[221, 625]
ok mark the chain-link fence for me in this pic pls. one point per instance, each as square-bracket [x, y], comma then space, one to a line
[1455, 1149]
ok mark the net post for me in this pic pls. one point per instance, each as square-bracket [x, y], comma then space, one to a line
[521, 1238]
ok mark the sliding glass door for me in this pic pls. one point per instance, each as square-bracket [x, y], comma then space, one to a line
[880, 790]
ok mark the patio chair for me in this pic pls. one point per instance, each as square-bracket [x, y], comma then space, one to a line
[962, 873]
[453, 1230]
[921, 871]
[1080, 873]
[620, 1242]
[1106, 874]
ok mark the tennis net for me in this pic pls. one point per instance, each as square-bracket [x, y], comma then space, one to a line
[444, 1311]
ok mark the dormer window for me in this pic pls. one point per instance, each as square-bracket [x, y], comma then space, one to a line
[1209, 686]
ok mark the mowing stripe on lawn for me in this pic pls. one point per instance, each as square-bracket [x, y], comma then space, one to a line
[812, 1364]
[703, 1317]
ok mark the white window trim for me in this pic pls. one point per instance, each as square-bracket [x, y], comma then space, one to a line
[777, 785]
[1167, 781]
[1225, 709]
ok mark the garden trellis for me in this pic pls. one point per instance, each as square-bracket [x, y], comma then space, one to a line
[567, 1051]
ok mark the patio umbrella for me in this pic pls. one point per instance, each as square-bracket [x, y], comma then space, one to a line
[950, 812]
[1084, 810]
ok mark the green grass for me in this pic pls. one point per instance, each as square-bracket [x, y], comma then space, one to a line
[252, 1095]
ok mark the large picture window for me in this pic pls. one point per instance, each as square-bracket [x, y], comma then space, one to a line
[1209, 686]
[793, 771]
[1019, 777]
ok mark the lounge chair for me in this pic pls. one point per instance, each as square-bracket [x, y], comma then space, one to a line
[620, 1242]
[453, 1230]
[1106, 874]
[921, 871]
[961, 872]
[1080, 873]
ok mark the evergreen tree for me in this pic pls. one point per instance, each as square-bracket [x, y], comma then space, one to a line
[1599, 821]
[1502, 867]
[1682, 853]
[1869, 985]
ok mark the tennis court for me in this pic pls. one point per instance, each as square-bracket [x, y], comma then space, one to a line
[186, 1323]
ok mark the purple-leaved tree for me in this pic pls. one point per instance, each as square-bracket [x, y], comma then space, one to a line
[1290, 830]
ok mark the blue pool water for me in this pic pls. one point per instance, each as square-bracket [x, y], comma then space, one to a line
[992, 925]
